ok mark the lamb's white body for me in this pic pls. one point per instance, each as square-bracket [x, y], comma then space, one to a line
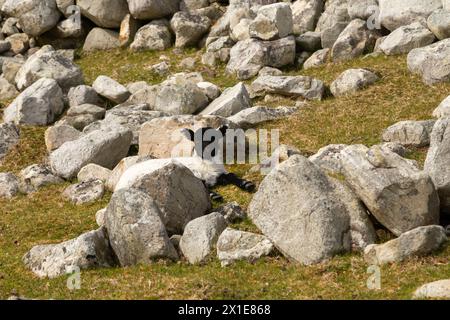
[205, 170]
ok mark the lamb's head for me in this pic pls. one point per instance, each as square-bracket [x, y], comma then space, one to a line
[208, 142]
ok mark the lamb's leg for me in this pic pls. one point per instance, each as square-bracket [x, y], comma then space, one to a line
[213, 195]
[231, 178]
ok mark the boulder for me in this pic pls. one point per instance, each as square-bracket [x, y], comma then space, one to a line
[294, 86]
[328, 158]
[443, 110]
[9, 185]
[230, 102]
[297, 203]
[128, 28]
[351, 81]
[333, 21]
[200, 237]
[362, 9]
[94, 172]
[180, 195]
[101, 39]
[81, 116]
[82, 94]
[305, 14]
[153, 36]
[34, 16]
[438, 159]
[434, 290]
[249, 56]
[103, 147]
[189, 28]
[37, 176]
[397, 13]
[7, 90]
[137, 234]
[48, 63]
[110, 89]
[410, 133]
[398, 194]
[9, 137]
[19, 42]
[415, 243]
[234, 245]
[273, 21]
[253, 116]
[431, 62]
[405, 38]
[84, 192]
[153, 9]
[88, 251]
[232, 212]
[309, 41]
[39, 104]
[120, 168]
[56, 136]
[317, 59]
[439, 23]
[104, 13]
[354, 41]
[161, 137]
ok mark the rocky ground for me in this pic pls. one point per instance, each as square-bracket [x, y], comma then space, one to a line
[362, 109]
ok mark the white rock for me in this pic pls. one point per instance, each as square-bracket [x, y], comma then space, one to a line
[110, 89]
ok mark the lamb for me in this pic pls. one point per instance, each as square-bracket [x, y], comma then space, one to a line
[204, 166]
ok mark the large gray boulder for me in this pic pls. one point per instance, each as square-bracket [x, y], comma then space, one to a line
[439, 23]
[354, 41]
[9, 137]
[305, 14]
[230, 102]
[297, 208]
[437, 163]
[434, 290]
[110, 89]
[252, 116]
[49, 63]
[137, 234]
[293, 86]
[37, 176]
[88, 251]
[234, 245]
[34, 16]
[431, 62]
[39, 104]
[351, 81]
[397, 13]
[84, 192]
[81, 95]
[200, 237]
[333, 21]
[189, 28]
[104, 13]
[101, 39]
[153, 9]
[273, 21]
[153, 36]
[410, 133]
[443, 109]
[405, 38]
[362, 9]
[9, 185]
[57, 135]
[179, 194]
[249, 56]
[7, 90]
[399, 195]
[103, 147]
[417, 242]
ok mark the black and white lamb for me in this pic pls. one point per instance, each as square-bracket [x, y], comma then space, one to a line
[204, 164]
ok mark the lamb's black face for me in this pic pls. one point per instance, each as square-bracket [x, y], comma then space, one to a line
[207, 140]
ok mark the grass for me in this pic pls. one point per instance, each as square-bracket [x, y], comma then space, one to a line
[45, 217]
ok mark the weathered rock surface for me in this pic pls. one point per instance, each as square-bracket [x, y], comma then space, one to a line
[101, 39]
[153, 9]
[410, 133]
[396, 192]
[434, 290]
[232, 212]
[94, 172]
[200, 237]
[352, 80]
[189, 28]
[9, 137]
[252, 116]
[443, 110]
[37, 176]
[136, 232]
[38, 104]
[103, 147]
[230, 102]
[88, 251]
[439, 23]
[234, 245]
[417, 242]
[9, 185]
[104, 13]
[110, 89]
[180, 195]
[273, 21]
[295, 86]
[305, 14]
[56, 136]
[153, 36]
[85, 192]
[283, 206]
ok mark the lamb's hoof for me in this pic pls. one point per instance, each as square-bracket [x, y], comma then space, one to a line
[249, 186]
[216, 197]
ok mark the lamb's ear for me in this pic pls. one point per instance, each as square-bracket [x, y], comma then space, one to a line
[188, 133]
[223, 129]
